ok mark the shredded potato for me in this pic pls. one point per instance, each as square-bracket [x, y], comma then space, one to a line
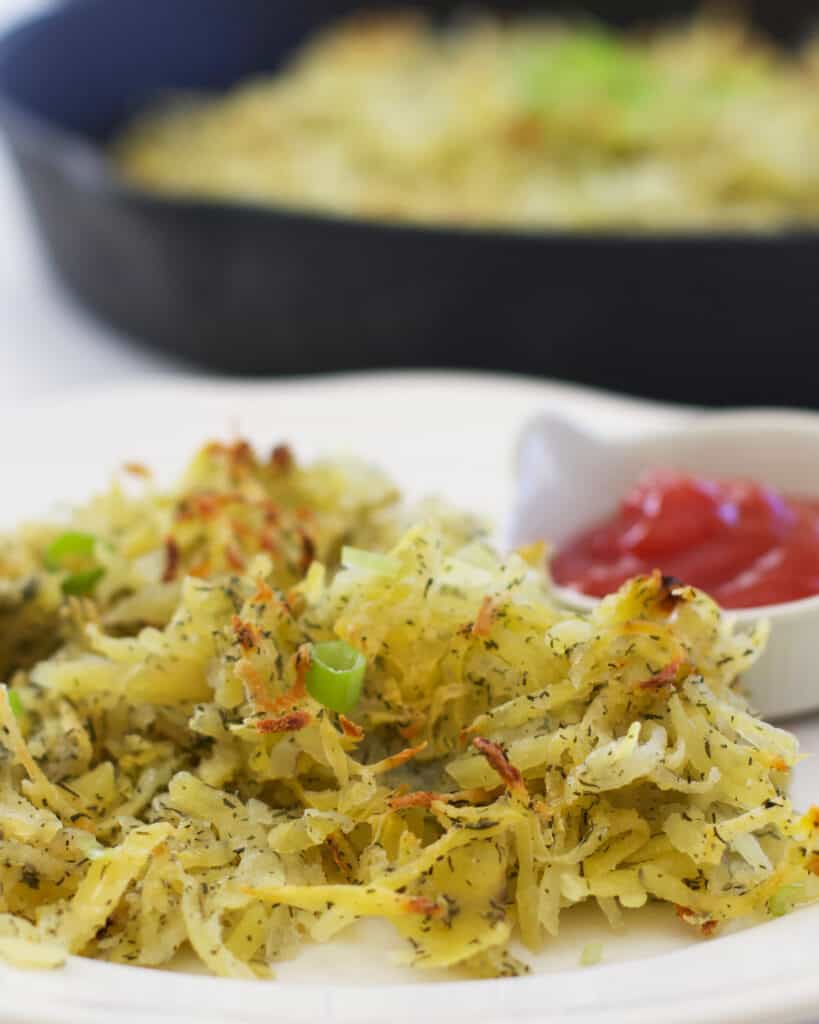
[168, 780]
[527, 123]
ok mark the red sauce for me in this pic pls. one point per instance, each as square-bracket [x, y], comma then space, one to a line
[743, 543]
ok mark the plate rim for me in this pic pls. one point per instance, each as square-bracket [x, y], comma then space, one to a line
[795, 998]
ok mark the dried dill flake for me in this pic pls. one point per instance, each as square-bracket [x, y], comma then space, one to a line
[30, 877]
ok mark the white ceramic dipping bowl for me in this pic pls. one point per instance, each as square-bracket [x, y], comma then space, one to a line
[568, 478]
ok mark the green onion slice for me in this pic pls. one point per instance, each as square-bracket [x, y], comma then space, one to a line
[783, 900]
[74, 551]
[336, 675]
[356, 558]
[79, 584]
[15, 703]
[67, 547]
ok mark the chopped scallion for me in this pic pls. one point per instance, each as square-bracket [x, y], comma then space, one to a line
[336, 675]
[74, 552]
[356, 558]
[69, 546]
[15, 703]
[79, 584]
[783, 900]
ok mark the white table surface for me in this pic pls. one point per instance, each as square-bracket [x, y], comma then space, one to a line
[48, 344]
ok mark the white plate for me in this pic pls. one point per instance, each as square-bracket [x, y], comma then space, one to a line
[453, 434]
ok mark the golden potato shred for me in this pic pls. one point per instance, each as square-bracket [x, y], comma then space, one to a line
[166, 778]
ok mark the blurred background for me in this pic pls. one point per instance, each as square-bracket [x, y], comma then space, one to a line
[47, 343]
[625, 194]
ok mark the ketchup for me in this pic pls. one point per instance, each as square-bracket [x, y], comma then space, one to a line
[743, 543]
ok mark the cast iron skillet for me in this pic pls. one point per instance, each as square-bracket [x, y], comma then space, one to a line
[711, 319]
